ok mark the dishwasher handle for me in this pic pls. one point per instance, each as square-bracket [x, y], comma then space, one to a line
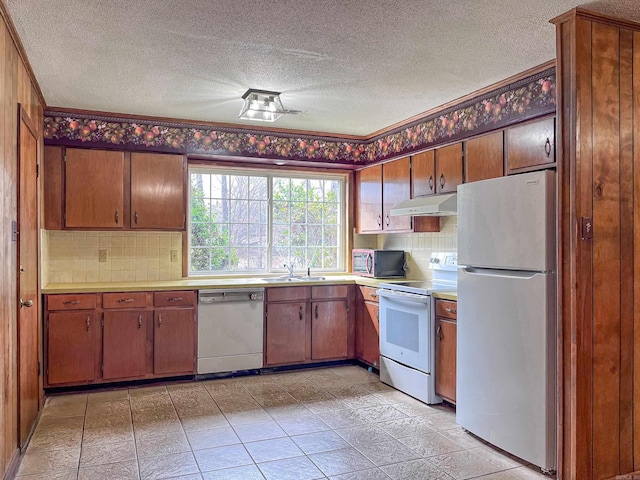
[208, 298]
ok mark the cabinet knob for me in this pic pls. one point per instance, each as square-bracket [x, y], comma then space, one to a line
[379, 220]
[159, 320]
[451, 310]
[117, 216]
[388, 220]
[439, 333]
[442, 180]
[139, 321]
[125, 300]
[88, 322]
[547, 147]
[431, 182]
[135, 216]
[71, 302]
[316, 311]
[300, 312]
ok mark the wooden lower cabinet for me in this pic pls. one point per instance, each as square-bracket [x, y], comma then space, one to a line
[446, 350]
[286, 333]
[329, 329]
[316, 324]
[174, 348]
[124, 344]
[368, 327]
[114, 341]
[73, 343]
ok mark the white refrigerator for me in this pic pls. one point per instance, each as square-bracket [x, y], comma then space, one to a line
[506, 351]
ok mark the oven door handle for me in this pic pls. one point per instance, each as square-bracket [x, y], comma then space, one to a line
[403, 296]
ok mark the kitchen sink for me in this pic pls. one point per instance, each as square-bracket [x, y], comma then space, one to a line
[293, 279]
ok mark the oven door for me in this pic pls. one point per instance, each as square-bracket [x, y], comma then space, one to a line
[405, 328]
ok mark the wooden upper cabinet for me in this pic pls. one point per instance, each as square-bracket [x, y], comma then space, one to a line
[531, 145]
[157, 191]
[94, 189]
[448, 168]
[396, 188]
[484, 157]
[423, 166]
[369, 215]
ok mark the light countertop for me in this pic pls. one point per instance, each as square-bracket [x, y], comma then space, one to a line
[195, 283]
[446, 295]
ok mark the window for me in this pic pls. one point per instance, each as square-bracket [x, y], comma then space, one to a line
[259, 221]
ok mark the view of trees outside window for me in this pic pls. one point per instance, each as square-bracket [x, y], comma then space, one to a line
[236, 226]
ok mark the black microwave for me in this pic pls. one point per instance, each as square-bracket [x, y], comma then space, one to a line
[378, 263]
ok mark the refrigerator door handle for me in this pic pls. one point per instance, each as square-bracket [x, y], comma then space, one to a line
[492, 272]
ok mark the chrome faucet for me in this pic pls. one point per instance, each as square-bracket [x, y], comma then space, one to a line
[289, 268]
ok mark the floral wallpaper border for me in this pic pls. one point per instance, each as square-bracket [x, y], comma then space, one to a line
[529, 98]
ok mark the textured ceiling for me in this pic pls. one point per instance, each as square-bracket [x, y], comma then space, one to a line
[351, 67]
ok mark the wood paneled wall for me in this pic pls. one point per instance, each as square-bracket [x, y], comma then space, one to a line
[15, 87]
[599, 165]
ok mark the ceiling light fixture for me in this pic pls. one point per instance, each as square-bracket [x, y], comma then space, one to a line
[263, 105]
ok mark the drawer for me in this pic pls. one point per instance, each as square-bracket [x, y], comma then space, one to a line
[369, 294]
[446, 309]
[330, 291]
[284, 294]
[124, 300]
[81, 301]
[186, 298]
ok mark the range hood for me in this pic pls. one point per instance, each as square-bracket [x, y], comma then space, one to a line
[434, 206]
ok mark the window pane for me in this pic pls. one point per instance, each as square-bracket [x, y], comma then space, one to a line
[235, 226]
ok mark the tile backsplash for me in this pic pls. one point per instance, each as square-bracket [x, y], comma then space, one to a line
[419, 246]
[131, 256]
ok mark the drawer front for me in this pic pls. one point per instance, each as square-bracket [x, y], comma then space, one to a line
[124, 300]
[283, 294]
[82, 301]
[446, 309]
[330, 291]
[369, 294]
[186, 298]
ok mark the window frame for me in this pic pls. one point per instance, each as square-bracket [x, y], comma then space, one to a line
[271, 173]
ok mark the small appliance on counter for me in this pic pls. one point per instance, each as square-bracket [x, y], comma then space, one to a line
[407, 329]
[378, 263]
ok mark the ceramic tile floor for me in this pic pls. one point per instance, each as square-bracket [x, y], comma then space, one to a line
[338, 423]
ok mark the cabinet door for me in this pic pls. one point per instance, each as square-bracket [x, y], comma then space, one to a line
[448, 168]
[446, 359]
[94, 189]
[371, 333]
[157, 191]
[396, 187]
[71, 347]
[174, 341]
[329, 330]
[423, 173]
[531, 145]
[286, 334]
[484, 157]
[124, 344]
[369, 207]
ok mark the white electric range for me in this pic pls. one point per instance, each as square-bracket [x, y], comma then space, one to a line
[407, 329]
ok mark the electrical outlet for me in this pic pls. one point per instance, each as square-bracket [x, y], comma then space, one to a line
[103, 255]
[174, 255]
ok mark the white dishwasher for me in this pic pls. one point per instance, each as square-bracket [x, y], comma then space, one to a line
[230, 330]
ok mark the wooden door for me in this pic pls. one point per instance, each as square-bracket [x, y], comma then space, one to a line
[448, 168]
[396, 188]
[369, 205]
[531, 145]
[94, 188]
[124, 344]
[484, 157]
[71, 347]
[329, 330]
[286, 335]
[423, 173]
[445, 381]
[28, 305]
[158, 191]
[174, 341]
[371, 333]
